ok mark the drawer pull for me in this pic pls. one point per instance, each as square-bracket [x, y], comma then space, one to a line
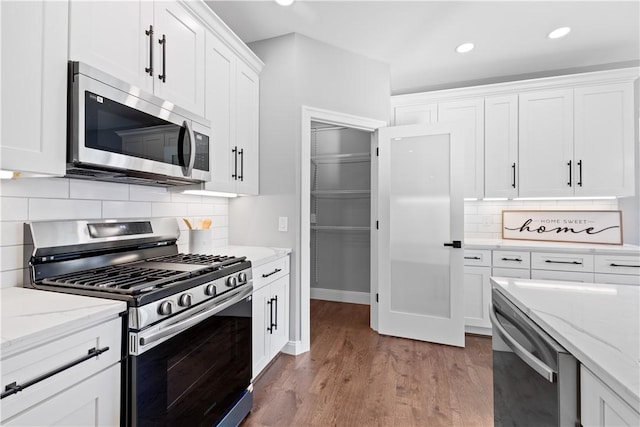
[277, 270]
[472, 257]
[563, 262]
[623, 265]
[13, 388]
[512, 259]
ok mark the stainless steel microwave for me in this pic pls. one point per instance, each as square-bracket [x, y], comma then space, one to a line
[120, 133]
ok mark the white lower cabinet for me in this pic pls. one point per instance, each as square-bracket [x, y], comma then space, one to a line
[601, 406]
[477, 294]
[270, 312]
[86, 392]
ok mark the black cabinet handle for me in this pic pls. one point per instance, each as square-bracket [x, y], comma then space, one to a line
[563, 262]
[272, 273]
[275, 324]
[13, 388]
[569, 183]
[235, 163]
[623, 265]
[149, 32]
[241, 154]
[270, 327]
[455, 244]
[513, 166]
[472, 257]
[163, 76]
[512, 259]
[580, 173]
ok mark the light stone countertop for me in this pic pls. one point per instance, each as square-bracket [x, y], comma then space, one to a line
[599, 324]
[500, 244]
[258, 255]
[30, 317]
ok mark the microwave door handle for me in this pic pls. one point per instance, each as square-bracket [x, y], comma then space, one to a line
[192, 144]
[536, 364]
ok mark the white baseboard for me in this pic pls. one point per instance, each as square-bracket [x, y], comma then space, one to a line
[294, 348]
[341, 296]
[477, 330]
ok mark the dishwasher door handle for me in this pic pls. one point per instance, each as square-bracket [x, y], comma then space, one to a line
[536, 364]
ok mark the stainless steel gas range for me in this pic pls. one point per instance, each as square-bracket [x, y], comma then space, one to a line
[187, 342]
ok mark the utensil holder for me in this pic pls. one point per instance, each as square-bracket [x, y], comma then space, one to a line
[200, 241]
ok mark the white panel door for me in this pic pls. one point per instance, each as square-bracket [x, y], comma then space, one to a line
[179, 62]
[34, 89]
[114, 37]
[501, 146]
[420, 209]
[469, 114]
[247, 129]
[546, 144]
[604, 144]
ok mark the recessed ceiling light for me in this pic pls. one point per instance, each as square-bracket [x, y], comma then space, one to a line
[559, 32]
[284, 2]
[465, 47]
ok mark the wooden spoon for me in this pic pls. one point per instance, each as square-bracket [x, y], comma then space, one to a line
[186, 221]
[206, 223]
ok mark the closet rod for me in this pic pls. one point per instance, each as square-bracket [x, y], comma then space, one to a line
[329, 128]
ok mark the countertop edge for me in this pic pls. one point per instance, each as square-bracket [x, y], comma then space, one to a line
[628, 395]
[499, 244]
[258, 255]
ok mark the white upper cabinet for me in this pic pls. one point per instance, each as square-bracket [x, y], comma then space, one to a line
[604, 153]
[232, 105]
[501, 146]
[34, 90]
[157, 46]
[415, 114]
[546, 144]
[470, 115]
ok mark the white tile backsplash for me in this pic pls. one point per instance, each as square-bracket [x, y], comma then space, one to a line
[38, 199]
[483, 219]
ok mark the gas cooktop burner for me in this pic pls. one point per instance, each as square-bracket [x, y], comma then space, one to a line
[199, 259]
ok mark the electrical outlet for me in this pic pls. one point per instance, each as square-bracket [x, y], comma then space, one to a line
[283, 223]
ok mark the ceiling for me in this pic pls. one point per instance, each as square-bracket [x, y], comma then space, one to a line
[418, 38]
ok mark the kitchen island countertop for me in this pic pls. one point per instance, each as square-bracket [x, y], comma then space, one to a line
[599, 324]
[502, 244]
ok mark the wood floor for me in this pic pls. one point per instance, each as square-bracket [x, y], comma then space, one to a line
[354, 377]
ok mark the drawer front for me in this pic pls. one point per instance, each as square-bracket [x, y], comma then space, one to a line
[516, 273]
[617, 264]
[45, 359]
[512, 259]
[480, 258]
[270, 272]
[566, 276]
[562, 262]
[617, 279]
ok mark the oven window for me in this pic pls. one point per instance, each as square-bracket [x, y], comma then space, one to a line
[195, 377]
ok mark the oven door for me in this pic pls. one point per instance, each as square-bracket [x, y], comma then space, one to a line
[192, 371]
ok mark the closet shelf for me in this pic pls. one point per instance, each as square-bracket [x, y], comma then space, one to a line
[339, 228]
[341, 194]
[342, 158]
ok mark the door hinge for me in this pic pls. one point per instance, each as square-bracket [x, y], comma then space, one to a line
[377, 225]
[377, 297]
[377, 152]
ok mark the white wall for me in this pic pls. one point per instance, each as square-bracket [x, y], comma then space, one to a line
[299, 71]
[36, 199]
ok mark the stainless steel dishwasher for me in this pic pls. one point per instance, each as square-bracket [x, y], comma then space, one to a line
[535, 380]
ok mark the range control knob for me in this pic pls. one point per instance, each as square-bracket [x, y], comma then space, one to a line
[232, 282]
[242, 278]
[185, 300]
[165, 308]
[210, 290]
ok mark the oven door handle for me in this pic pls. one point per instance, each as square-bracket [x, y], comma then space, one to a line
[536, 364]
[190, 321]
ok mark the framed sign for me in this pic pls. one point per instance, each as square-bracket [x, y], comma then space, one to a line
[604, 227]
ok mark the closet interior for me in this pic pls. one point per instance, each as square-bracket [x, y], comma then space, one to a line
[340, 211]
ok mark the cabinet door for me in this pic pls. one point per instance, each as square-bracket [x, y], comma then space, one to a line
[34, 90]
[566, 276]
[477, 294]
[92, 402]
[415, 114]
[261, 337]
[601, 406]
[280, 303]
[112, 36]
[247, 129]
[179, 62]
[501, 146]
[470, 114]
[604, 150]
[546, 144]
[220, 110]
